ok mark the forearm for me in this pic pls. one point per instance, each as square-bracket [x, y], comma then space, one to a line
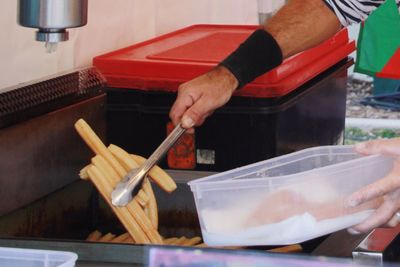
[299, 25]
[302, 24]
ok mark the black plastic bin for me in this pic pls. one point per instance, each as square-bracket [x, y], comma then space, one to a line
[244, 131]
[297, 105]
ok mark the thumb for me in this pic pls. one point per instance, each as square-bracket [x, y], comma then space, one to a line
[366, 148]
[390, 147]
[195, 115]
[187, 122]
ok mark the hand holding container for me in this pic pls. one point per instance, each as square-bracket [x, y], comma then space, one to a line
[288, 199]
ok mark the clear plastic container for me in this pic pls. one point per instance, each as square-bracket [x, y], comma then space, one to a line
[17, 257]
[288, 199]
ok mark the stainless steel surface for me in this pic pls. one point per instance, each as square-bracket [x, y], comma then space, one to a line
[52, 18]
[382, 244]
[122, 193]
[185, 176]
[66, 214]
[119, 255]
[24, 101]
[43, 154]
[76, 210]
[51, 14]
[339, 244]
[63, 219]
[89, 253]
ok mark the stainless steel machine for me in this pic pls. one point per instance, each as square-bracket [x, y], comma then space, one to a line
[52, 18]
[36, 134]
[44, 204]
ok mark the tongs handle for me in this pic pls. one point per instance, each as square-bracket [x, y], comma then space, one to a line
[161, 150]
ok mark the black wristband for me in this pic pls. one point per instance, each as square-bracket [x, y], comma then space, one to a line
[255, 56]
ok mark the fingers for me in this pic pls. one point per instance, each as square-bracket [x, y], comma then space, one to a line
[184, 101]
[377, 189]
[198, 98]
[199, 111]
[387, 187]
[390, 147]
[192, 111]
[394, 221]
[191, 108]
[380, 217]
[383, 215]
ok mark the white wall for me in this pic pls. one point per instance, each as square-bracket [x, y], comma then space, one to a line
[112, 24]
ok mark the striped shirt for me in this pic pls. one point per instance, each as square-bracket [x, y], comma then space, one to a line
[353, 11]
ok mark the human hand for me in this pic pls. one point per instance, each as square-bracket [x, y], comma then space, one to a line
[387, 188]
[198, 98]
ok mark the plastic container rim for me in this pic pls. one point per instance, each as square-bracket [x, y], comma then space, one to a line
[206, 181]
[263, 182]
[73, 256]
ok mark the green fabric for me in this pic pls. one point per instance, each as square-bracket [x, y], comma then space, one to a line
[379, 38]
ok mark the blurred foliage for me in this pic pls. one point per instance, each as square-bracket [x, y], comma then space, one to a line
[355, 135]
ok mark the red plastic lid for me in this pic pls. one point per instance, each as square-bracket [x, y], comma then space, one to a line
[163, 63]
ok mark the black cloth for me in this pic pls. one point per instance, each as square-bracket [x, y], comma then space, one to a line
[255, 56]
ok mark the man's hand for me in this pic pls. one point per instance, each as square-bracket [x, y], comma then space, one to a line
[299, 25]
[198, 98]
[388, 188]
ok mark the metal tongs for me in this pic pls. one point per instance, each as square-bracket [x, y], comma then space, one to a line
[128, 187]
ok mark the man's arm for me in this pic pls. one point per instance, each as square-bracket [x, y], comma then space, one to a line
[299, 25]
[302, 24]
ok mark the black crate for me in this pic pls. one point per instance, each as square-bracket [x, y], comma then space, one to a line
[245, 130]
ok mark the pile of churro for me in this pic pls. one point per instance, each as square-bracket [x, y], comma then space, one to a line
[140, 217]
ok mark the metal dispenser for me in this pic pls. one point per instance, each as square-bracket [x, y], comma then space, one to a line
[52, 18]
